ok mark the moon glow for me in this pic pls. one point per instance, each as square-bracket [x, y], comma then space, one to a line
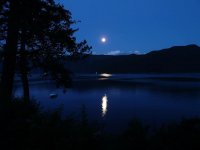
[103, 40]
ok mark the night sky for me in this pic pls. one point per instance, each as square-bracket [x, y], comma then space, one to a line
[135, 26]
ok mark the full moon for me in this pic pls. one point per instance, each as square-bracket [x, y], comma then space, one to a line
[103, 39]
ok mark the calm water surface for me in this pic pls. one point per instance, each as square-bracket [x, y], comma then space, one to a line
[114, 100]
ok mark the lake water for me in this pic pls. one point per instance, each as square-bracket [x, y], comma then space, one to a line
[114, 100]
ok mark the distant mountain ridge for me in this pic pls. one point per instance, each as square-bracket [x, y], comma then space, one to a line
[177, 59]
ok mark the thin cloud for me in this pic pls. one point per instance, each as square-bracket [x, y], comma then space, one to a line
[137, 52]
[117, 52]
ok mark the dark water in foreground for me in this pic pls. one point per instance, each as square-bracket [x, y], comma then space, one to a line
[115, 100]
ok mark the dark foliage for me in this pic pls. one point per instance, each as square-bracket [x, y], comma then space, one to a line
[26, 126]
[37, 34]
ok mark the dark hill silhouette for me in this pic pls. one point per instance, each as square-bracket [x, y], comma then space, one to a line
[178, 59]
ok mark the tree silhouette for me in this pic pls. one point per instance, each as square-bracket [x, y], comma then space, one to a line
[10, 47]
[43, 37]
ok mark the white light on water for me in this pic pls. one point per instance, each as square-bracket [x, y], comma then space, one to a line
[106, 75]
[104, 105]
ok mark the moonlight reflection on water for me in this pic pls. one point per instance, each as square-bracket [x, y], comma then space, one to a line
[106, 75]
[104, 105]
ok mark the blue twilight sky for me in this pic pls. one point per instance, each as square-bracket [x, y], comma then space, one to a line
[136, 26]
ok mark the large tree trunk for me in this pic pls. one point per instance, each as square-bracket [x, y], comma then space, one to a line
[9, 61]
[24, 78]
[24, 70]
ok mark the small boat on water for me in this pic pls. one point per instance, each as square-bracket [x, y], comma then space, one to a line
[53, 95]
